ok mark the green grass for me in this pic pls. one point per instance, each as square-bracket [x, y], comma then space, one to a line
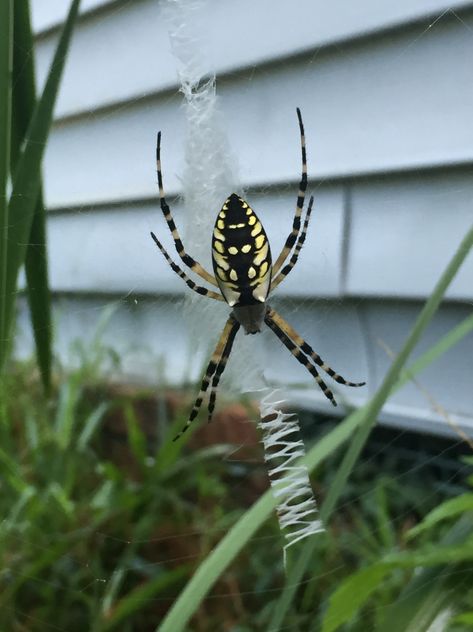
[104, 522]
[90, 518]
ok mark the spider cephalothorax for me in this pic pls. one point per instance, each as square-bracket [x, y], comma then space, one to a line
[245, 276]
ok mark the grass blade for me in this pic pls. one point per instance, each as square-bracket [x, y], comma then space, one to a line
[24, 101]
[39, 297]
[27, 176]
[133, 601]
[430, 590]
[353, 592]
[425, 601]
[208, 572]
[6, 65]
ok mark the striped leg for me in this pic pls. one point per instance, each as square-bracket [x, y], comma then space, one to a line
[220, 368]
[291, 240]
[211, 368]
[189, 282]
[300, 357]
[295, 255]
[187, 259]
[307, 349]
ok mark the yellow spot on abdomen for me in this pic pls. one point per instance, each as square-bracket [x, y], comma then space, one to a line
[259, 241]
[263, 269]
[261, 255]
[256, 230]
[220, 260]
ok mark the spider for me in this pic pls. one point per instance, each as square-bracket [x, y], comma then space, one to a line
[245, 276]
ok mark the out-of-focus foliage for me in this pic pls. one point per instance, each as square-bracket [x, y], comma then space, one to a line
[106, 519]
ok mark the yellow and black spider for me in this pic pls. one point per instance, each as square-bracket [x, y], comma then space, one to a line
[245, 276]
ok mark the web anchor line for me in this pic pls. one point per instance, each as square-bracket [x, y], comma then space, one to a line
[297, 509]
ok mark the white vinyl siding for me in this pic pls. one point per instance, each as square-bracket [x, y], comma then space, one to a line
[386, 93]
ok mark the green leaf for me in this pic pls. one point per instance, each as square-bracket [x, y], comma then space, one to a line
[430, 590]
[136, 437]
[36, 268]
[355, 590]
[134, 600]
[221, 556]
[91, 424]
[39, 297]
[27, 175]
[432, 555]
[449, 509]
[38, 293]
[66, 414]
[6, 65]
[352, 594]
[466, 618]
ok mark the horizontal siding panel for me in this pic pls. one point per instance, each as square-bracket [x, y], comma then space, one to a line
[376, 327]
[446, 382]
[229, 40]
[423, 420]
[405, 230]
[46, 15]
[111, 251]
[397, 103]
[149, 337]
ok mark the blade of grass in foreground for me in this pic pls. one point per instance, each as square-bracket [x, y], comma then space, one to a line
[6, 64]
[212, 567]
[39, 297]
[369, 418]
[36, 265]
[27, 176]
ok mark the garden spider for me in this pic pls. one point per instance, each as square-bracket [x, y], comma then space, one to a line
[245, 276]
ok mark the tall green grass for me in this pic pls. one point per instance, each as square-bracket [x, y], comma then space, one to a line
[84, 501]
[103, 526]
[24, 126]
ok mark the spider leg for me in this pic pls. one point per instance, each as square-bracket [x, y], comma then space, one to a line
[186, 258]
[295, 255]
[296, 225]
[300, 357]
[211, 368]
[220, 368]
[189, 282]
[307, 349]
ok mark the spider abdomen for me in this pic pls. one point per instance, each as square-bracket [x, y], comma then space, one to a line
[241, 255]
